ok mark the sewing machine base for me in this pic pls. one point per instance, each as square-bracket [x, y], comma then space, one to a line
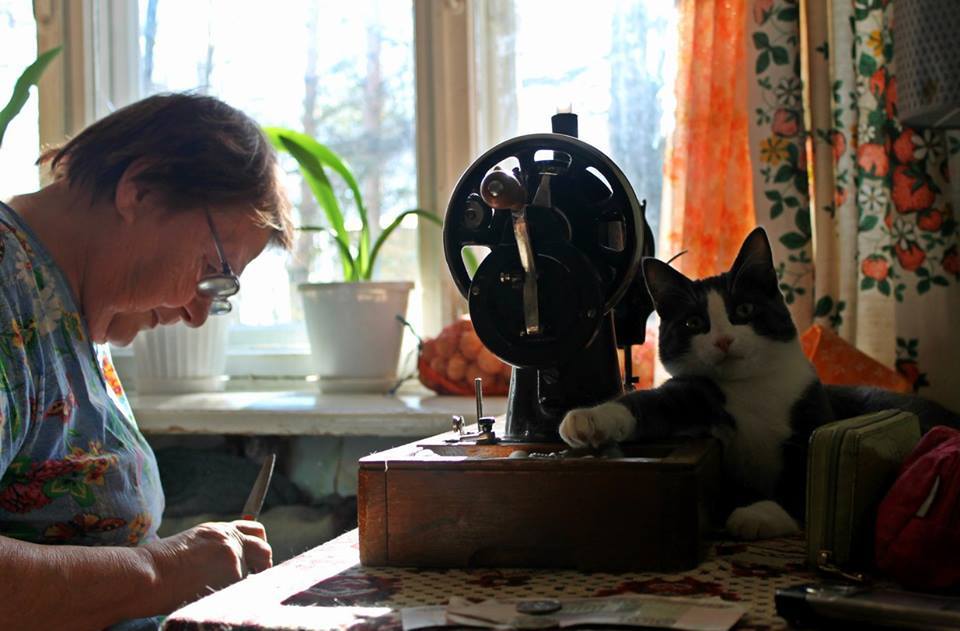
[433, 503]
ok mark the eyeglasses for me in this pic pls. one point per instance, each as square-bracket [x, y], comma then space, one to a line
[219, 286]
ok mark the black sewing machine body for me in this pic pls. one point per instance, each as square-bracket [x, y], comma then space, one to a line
[560, 289]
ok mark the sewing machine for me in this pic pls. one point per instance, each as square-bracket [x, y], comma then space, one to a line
[558, 293]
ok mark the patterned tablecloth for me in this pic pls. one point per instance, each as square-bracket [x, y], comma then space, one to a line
[326, 588]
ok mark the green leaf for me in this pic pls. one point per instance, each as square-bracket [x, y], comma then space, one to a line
[824, 307]
[923, 286]
[21, 89]
[788, 14]
[773, 196]
[884, 287]
[868, 65]
[470, 262]
[350, 271]
[58, 487]
[922, 271]
[867, 283]
[760, 40]
[311, 163]
[868, 223]
[878, 120]
[791, 201]
[763, 62]
[793, 240]
[776, 210]
[315, 156]
[802, 221]
[389, 230]
[940, 280]
[780, 55]
[83, 494]
[784, 173]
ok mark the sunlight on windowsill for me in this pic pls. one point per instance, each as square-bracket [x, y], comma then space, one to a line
[413, 412]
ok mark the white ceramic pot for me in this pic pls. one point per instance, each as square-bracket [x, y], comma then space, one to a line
[354, 333]
[177, 358]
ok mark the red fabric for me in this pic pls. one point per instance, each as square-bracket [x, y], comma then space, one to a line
[921, 548]
[839, 362]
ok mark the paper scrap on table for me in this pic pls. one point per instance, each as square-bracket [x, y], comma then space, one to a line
[690, 614]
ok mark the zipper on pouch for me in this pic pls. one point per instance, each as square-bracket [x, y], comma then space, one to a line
[825, 556]
[825, 565]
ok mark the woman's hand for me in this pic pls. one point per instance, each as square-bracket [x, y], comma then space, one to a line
[208, 557]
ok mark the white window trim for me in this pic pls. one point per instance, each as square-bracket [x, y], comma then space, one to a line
[446, 137]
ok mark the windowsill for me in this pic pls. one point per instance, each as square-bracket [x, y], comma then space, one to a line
[304, 413]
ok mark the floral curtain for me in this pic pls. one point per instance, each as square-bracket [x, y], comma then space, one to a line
[878, 260]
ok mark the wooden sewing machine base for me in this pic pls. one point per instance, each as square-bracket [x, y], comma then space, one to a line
[433, 503]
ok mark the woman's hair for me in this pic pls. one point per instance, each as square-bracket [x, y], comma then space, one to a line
[195, 149]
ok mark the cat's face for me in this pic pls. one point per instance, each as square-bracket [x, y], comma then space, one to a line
[724, 327]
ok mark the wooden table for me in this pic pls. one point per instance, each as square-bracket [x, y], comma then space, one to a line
[326, 588]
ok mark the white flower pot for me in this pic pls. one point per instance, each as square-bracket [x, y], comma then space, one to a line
[354, 333]
[178, 359]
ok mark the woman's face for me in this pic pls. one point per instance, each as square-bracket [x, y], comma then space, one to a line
[159, 263]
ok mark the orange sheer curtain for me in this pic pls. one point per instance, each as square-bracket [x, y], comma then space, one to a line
[708, 202]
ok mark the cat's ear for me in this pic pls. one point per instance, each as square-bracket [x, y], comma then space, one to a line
[664, 282]
[754, 263]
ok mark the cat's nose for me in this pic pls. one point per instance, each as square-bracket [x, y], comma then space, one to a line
[723, 343]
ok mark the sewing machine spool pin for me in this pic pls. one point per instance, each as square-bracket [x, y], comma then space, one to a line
[485, 434]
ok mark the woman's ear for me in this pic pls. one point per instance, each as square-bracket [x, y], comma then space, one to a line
[131, 194]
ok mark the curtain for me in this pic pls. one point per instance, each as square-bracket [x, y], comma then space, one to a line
[877, 261]
[707, 206]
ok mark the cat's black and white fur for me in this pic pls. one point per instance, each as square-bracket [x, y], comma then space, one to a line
[739, 374]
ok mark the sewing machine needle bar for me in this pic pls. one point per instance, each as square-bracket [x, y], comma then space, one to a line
[531, 308]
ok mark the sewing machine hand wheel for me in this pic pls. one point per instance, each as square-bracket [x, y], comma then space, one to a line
[566, 234]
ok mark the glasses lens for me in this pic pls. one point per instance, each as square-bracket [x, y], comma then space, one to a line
[220, 307]
[218, 286]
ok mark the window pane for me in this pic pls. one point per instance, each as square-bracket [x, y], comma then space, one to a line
[21, 143]
[614, 64]
[343, 76]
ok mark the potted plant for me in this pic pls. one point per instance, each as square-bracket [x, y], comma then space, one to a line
[353, 326]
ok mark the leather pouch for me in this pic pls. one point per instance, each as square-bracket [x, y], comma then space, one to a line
[851, 465]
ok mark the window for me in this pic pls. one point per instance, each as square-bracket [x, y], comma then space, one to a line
[611, 65]
[21, 143]
[344, 77]
[409, 92]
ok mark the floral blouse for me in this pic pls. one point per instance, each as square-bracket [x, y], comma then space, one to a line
[74, 468]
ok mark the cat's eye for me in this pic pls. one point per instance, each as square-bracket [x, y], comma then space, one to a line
[694, 323]
[744, 310]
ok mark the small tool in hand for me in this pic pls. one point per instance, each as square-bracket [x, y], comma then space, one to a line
[251, 510]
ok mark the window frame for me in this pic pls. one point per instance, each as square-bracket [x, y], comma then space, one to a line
[99, 67]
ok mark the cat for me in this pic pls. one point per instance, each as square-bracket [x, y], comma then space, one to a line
[738, 374]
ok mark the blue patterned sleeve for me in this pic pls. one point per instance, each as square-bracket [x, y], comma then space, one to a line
[17, 336]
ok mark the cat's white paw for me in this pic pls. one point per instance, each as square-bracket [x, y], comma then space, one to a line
[607, 422]
[761, 520]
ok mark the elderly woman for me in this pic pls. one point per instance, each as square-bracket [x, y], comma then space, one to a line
[153, 213]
